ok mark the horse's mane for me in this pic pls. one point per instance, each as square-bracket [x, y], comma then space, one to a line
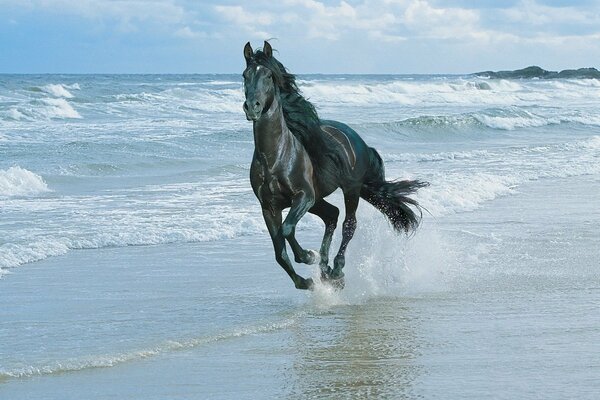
[300, 114]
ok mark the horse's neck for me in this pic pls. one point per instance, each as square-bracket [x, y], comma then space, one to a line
[272, 138]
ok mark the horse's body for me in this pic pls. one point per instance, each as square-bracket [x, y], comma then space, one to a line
[300, 159]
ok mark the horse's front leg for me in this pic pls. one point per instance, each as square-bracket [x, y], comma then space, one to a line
[305, 256]
[301, 203]
[273, 222]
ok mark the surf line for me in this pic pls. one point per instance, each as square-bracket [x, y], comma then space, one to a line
[107, 361]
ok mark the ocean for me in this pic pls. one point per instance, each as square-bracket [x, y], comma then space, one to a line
[134, 262]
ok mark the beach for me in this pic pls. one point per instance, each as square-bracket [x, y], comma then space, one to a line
[134, 262]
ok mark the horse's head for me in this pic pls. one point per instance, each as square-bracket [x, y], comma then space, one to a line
[259, 85]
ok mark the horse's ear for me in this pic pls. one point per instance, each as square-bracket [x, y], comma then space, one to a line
[267, 49]
[248, 53]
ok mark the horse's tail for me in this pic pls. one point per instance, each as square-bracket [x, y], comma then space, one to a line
[391, 197]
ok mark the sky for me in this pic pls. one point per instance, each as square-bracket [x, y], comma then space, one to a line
[309, 36]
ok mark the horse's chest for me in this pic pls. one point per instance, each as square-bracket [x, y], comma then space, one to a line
[267, 185]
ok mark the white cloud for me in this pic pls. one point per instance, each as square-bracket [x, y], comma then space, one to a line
[391, 21]
[239, 16]
[376, 30]
[530, 12]
[188, 33]
[249, 22]
[442, 23]
[126, 15]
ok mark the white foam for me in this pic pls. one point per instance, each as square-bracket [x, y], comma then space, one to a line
[508, 118]
[185, 100]
[59, 108]
[17, 181]
[460, 186]
[511, 122]
[111, 221]
[431, 157]
[15, 114]
[458, 192]
[58, 90]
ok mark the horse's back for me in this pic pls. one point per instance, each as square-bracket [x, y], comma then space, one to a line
[357, 142]
[354, 150]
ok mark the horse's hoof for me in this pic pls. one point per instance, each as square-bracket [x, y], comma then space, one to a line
[337, 283]
[336, 273]
[308, 257]
[305, 284]
[313, 257]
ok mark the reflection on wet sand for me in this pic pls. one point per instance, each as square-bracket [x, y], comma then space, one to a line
[356, 351]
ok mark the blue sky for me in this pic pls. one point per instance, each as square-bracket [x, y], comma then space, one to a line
[351, 36]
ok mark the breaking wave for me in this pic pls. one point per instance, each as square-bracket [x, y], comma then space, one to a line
[17, 181]
[58, 90]
[453, 191]
[501, 119]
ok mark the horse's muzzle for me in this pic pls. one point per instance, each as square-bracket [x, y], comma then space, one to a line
[252, 113]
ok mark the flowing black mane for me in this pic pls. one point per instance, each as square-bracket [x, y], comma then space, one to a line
[300, 114]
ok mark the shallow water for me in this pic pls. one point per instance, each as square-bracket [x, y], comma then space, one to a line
[135, 264]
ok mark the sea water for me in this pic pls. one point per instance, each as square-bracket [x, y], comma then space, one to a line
[134, 262]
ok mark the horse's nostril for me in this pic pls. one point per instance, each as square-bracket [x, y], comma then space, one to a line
[245, 106]
[257, 104]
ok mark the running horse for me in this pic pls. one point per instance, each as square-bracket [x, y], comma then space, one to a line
[300, 159]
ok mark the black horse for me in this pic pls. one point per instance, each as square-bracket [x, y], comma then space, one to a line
[299, 159]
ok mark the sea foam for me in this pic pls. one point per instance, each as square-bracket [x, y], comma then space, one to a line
[58, 90]
[59, 108]
[461, 186]
[17, 181]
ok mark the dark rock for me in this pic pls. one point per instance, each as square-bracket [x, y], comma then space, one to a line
[540, 73]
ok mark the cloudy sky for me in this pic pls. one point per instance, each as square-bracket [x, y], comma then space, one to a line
[310, 36]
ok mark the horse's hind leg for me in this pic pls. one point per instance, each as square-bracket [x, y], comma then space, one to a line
[273, 222]
[329, 214]
[351, 203]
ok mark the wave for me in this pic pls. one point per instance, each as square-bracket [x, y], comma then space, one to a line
[17, 181]
[59, 108]
[147, 215]
[445, 92]
[14, 254]
[467, 189]
[41, 110]
[58, 90]
[502, 119]
[186, 99]
[111, 360]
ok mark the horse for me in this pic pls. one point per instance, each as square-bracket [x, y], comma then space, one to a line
[300, 159]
